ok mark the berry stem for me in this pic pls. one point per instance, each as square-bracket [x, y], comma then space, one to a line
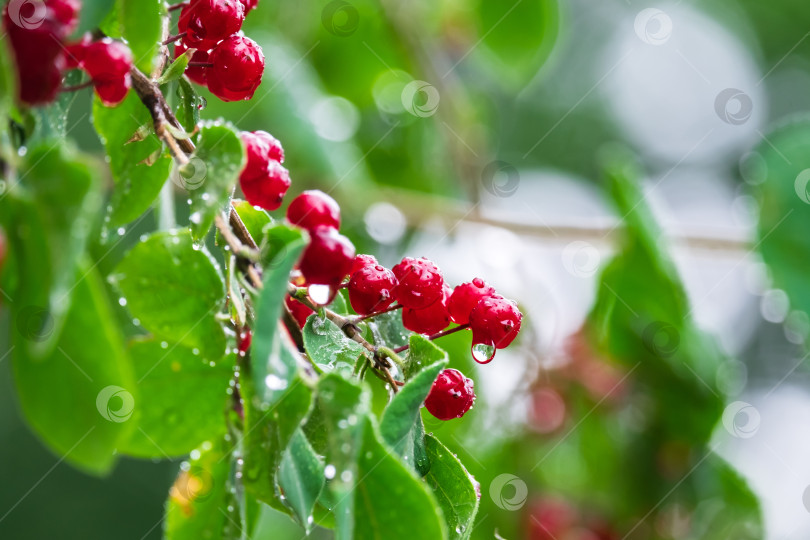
[179, 5]
[172, 39]
[437, 335]
[374, 314]
[75, 87]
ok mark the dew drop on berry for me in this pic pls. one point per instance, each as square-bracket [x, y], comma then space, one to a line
[320, 294]
[483, 353]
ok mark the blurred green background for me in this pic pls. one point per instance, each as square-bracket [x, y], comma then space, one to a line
[474, 133]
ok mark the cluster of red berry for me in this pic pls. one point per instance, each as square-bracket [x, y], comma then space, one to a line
[37, 31]
[417, 285]
[263, 180]
[107, 62]
[227, 62]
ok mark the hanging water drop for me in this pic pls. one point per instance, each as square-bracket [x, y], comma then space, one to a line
[483, 353]
[320, 294]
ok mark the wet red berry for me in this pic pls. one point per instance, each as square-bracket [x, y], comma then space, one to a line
[495, 322]
[66, 12]
[429, 320]
[262, 149]
[267, 191]
[299, 311]
[465, 297]
[197, 74]
[243, 342]
[249, 5]
[313, 209]
[207, 22]
[108, 63]
[328, 257]
[451, 395]
[35, 36]
[420, 283]
[238, 64]
[363, 260]
[74, 52]
[370, 289]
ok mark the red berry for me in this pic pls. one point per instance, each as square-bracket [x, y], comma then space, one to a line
[451, 395]
[551, 518]
[75, 52]
[370, 289]
[207, 22]
[313, 209]
[363, 260]
[495, 321]
[430, 320]
[108, 63]
[243, 342]
[66, 12]
[465, 297]
[420, 283]
[35, 36]
[267, 191]
[197, 74]
[249, 5]
[328, 257]
[261, 149]
[299, 311]
[238, 64]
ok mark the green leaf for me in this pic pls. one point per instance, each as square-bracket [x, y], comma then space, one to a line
[516, 38]
[453, 487]
[268, 430]
[642, 317]
[782, 175]
[79, 397]
[328, 347]
[111, 24]
[175, 290]
[50, 120]
[402, 413]
[176, 68]
[188, 111]
[137, 183]
[59, 193]
[301, 479]
[266, 359]
[183, 398]
[255, 219]
[385, 491]
[142, 27]
[8, 83]
[199, 499]
[421, 353]
[212, 173]
[388, 327]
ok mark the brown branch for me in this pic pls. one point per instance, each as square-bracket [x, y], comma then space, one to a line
[237, 236]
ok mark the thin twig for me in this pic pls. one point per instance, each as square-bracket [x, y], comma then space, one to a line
[360, 318]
